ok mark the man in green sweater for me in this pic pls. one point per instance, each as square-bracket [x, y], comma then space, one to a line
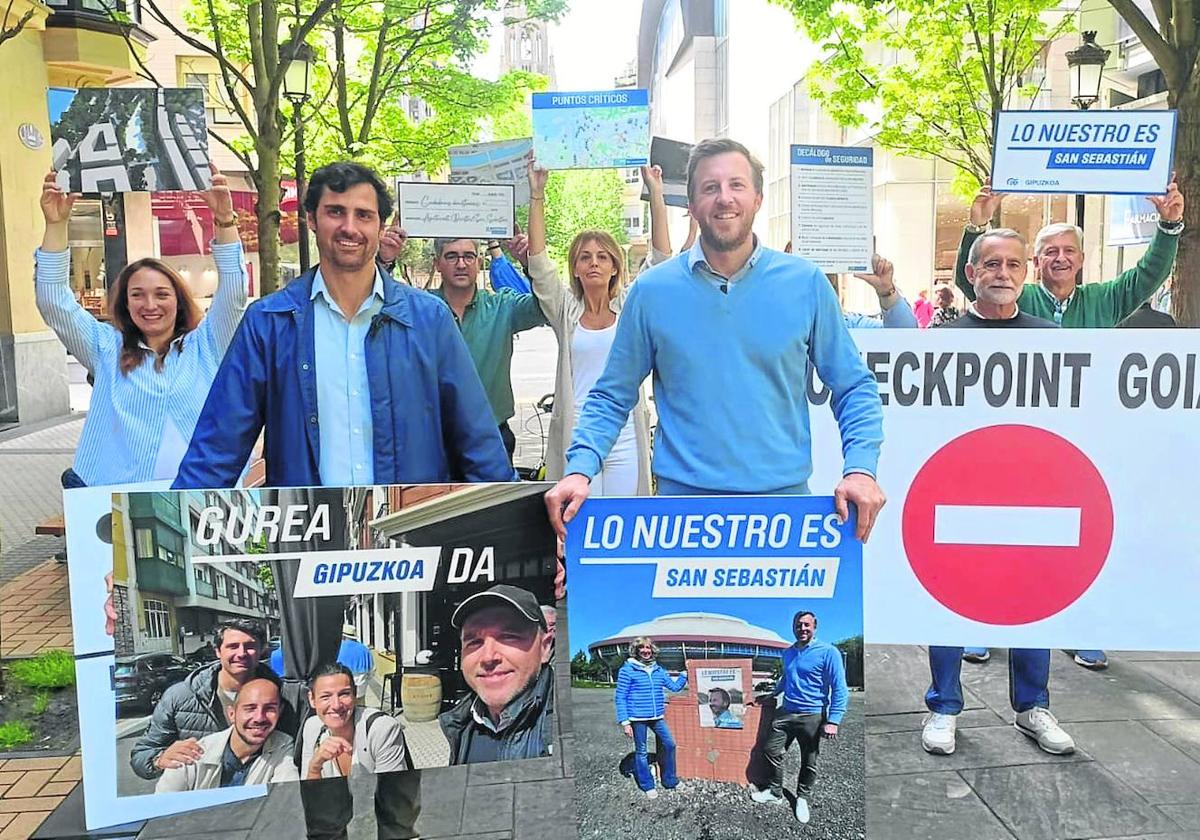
[1058, 257]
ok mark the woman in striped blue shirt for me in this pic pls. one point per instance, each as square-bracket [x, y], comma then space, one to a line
[154, 365]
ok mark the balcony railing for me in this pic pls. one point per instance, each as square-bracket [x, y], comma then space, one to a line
[155, 575]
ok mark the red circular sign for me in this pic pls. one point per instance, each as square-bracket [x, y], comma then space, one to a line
[1007, 524]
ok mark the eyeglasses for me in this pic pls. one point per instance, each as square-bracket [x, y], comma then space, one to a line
[453, 257]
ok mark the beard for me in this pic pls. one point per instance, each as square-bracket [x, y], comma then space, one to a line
[727, 242]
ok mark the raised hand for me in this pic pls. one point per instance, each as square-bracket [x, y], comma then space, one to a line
[56, 203]
[218, 198]
[985, 205]
[653, 179]
[881, 276]
[537, 180]
[392, 242]
[1169, 206]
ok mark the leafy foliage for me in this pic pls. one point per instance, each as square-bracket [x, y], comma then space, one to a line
[13, 734]
[41, 702]
[581, 199]
[928, 75]
[52, 669]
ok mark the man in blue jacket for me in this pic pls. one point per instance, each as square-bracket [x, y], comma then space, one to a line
[728, 330]
[356, 378]
[809, 706]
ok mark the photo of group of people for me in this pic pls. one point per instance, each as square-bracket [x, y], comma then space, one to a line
[437, 655]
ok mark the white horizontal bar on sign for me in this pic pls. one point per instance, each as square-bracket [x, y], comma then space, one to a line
[1006, 525]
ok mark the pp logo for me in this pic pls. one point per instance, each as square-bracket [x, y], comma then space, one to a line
[1012, 182]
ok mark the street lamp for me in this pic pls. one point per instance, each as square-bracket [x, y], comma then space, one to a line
[296, 89]
[1086, 65]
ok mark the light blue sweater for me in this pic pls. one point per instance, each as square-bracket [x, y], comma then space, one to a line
[814, 681]
[730, 375]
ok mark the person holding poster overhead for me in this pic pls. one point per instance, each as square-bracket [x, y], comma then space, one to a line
[153, 365]
[1058, 259]
[728, 330]
[583, 314]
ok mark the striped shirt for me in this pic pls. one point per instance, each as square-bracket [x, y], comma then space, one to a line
[128, 416]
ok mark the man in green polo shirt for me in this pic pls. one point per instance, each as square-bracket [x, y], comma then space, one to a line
[488, 321]
[1058, 257]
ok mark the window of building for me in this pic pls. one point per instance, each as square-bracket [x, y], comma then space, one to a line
[216, 110]
[157, 618]
[144, 539]
[221, 583]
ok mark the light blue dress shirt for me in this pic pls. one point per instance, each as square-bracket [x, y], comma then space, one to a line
[343, 393]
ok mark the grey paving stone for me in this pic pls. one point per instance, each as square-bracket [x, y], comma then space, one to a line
[915, 721]
[1173, 835]
[528, 770]
[1183, 676]
[222, 819]
[928, 806]
[1185, 816]
[1153, 655]
[1055, 801]
[545, 810]
[990, 746]
[487, 808]
[899, 676]
[443, 792]
[1146, 762]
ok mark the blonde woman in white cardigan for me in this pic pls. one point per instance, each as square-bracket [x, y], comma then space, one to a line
[583, 313]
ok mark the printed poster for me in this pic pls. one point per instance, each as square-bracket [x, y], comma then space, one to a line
[591, 129]
[499, 162]
[832, 207]
[108, 140]
[314, 635]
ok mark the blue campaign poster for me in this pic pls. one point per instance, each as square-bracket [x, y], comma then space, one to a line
[591, 129]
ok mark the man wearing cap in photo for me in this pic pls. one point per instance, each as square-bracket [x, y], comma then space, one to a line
[509, 712]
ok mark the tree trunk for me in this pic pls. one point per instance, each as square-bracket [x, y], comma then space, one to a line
[1185, 296]
[267, 148]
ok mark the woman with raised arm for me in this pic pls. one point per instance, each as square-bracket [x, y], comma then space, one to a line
[583, 314]
[153, 366]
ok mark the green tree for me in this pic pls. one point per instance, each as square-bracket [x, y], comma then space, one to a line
[956, 63]
[579, 199]
[1171, 33]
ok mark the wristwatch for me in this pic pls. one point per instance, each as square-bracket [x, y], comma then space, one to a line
[973, 228]
[232, 222]
[1173, 228]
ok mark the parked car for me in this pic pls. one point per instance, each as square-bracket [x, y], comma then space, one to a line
[140, 680]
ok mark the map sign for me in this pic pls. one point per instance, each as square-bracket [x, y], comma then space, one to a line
[591, 129]
[499, 162]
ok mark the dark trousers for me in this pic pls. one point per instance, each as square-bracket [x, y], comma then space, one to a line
[805, 730]
[510, 440]
[329, 805]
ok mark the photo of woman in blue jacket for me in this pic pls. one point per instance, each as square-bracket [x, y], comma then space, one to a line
[642, 706]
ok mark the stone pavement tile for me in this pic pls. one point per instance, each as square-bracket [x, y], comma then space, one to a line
[1077, 800]
[526, 770]
[225, 820]
[26, 764]
[488, 808]
[23, 825]
[58, 788]
[443, 791]
[566, 752]
[1154, 655]
[30, 784]
[898, 676]
[226, 834]
[915, 721]
[928, 806]
[1172, 835]
[1141, 759]
[29, 803]
[993, 746]
[1185, 816]
[1183, 676]
[545, 810]
[8, 777]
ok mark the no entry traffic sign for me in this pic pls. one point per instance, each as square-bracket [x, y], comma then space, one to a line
[1007, 524]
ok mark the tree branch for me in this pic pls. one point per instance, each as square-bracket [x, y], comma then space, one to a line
[6, 31]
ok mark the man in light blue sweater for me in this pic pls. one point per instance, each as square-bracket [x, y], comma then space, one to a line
[728, 329]
[809, 705]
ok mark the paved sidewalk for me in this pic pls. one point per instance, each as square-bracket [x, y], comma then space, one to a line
[35, 612]
[1135, 773]
[30, 788]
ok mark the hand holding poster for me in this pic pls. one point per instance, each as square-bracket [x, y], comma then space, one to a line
[591, 129]
[1106, 152]
[672, 157]
[456, 211]
[129, 139]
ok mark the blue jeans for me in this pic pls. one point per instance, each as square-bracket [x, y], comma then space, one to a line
[1028, 679]
[666, 753]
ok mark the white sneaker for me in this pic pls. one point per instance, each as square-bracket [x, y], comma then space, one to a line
[938, 735]
[1043, 727]
[652, 793]
[802, 809]
[765, 796]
